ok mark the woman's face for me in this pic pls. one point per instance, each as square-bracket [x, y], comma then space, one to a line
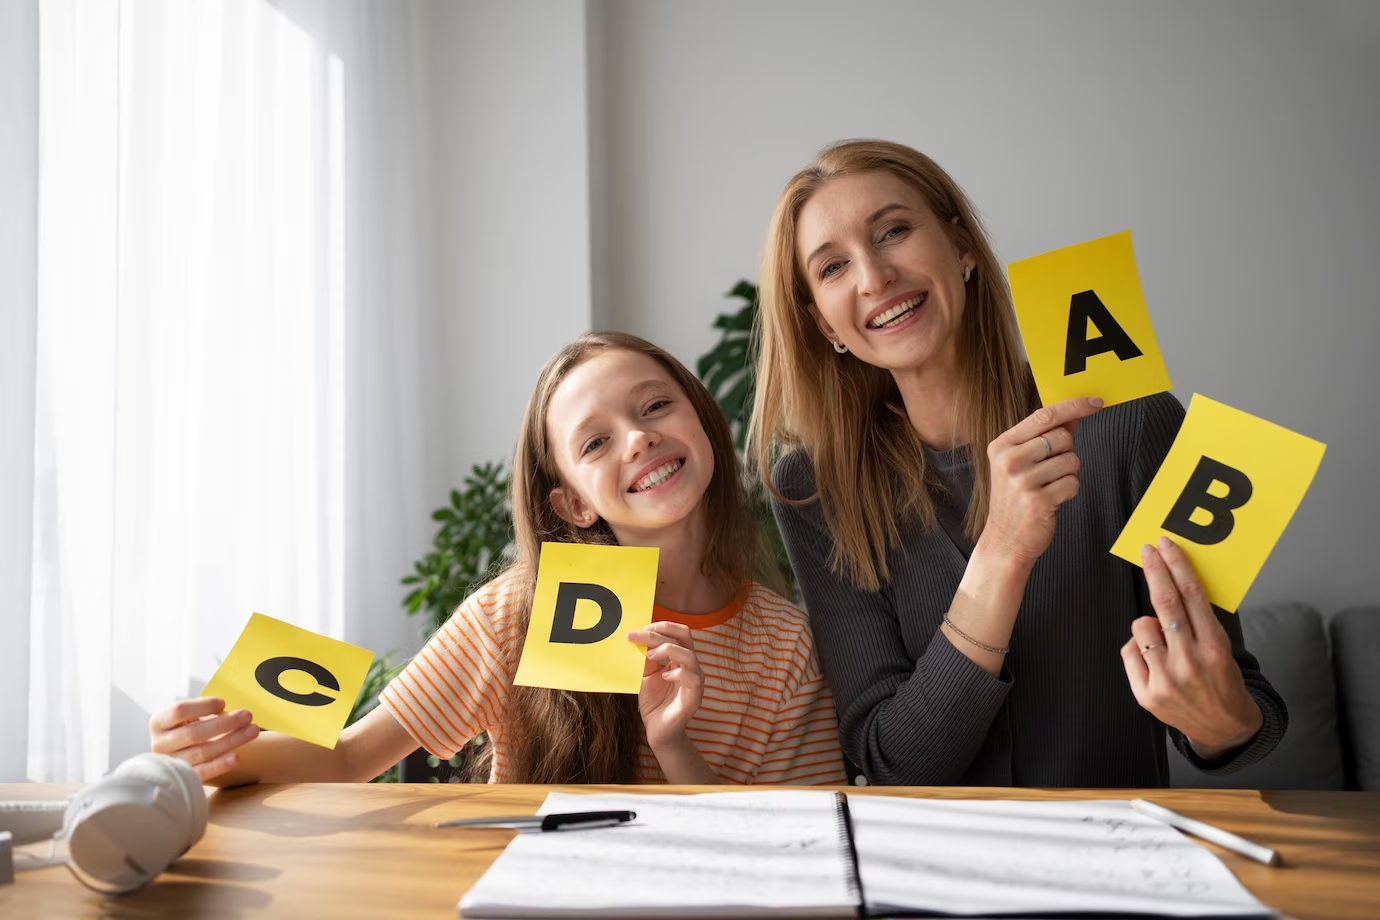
[629, 446]
[886, 279]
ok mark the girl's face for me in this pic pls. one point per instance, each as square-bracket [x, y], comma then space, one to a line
[886, 279]
[629, 447]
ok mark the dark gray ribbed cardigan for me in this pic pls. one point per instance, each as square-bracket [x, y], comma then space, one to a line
[914, 710]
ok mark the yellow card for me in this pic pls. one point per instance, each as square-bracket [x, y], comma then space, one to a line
[1224, 493]
[1084, 322]
[293, 680]
[587, 599]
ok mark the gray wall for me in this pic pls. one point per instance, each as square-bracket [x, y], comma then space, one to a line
[1236, 140]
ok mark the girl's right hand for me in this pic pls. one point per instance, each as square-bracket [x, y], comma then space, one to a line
[201, 733]
[1034, 471]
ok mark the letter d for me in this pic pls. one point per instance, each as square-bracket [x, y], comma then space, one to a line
[1195, 495]
[563, 624]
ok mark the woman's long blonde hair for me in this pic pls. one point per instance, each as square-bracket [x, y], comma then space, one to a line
[563, 737]
[869, 465]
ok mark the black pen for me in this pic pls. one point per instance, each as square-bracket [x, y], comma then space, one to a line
[569, 821]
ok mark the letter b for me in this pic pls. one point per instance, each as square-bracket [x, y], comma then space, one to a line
[568, 594]
[1195, 495]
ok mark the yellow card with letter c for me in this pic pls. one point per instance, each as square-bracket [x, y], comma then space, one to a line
[1225, 492]
[293, 680]
[588, 597]
[1084, 322]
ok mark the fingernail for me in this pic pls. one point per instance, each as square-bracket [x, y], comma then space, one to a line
[1165, 543]
[1146, 552]
[1096, 401]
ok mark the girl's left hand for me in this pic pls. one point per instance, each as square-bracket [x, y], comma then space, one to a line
[1180, 663]
[672, 682]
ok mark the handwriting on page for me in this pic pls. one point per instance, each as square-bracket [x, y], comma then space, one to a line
[994, 856]
[709, 852]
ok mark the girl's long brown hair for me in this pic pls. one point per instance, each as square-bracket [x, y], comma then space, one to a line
[869, 466]
[562, 737]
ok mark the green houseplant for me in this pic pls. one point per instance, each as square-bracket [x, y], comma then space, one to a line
[473, 543]
[729, 372]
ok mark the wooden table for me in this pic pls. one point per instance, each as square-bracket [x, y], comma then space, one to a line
[339, 851]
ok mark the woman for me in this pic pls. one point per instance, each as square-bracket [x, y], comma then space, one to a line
[950, 535]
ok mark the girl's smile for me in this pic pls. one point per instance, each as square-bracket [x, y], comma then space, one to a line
[658, 474]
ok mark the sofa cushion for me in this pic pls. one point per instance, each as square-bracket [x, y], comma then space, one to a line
[1356, 657]
[1291, 645]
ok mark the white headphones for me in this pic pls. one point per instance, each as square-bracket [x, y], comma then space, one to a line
[126, 828]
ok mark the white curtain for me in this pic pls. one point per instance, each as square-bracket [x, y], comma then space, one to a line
[233, 310]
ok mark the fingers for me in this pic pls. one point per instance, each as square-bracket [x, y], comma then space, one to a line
[184, 711]
[1047, 417]
[660, 632]
[193, 734]
[1166, 597]
[1137, 670]
[1149, 639]
[212, 751]
[1202, 621]
[222, 764]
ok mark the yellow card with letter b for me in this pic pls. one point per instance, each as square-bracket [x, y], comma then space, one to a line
[293, 680]
[587, 598]
[1084, 323]
[1225, 492]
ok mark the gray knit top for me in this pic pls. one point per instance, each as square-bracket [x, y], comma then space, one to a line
[914, 710]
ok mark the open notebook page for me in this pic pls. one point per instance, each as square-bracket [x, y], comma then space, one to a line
[740, 854]
[995, 857]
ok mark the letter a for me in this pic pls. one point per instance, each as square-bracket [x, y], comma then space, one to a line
[1195, 495]
[1085, 306]
[563, 625]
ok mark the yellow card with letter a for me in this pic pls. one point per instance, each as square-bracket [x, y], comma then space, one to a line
[587, 599]
[293, 680]
[1224, 494]
[1084, 322]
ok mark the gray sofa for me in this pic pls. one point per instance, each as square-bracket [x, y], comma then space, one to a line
[1329, 676]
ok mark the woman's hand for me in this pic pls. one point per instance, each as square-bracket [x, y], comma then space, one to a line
[672, 682]
[1034, 471]
[201, 733]
[1180, 663]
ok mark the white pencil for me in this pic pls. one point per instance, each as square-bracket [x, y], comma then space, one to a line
[1256, 851]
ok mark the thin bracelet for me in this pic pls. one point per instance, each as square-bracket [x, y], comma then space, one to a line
[982, 645]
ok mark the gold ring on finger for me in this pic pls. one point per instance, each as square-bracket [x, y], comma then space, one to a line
[1048, 449]
[1156, 645]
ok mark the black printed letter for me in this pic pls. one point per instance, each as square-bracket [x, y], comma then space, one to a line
[1079, 348]
[267, 675]
[1196, 495]
[567, 595]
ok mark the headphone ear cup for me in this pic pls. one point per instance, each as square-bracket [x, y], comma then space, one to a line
[127, 828]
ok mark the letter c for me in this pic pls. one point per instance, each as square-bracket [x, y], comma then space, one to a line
[268, 673]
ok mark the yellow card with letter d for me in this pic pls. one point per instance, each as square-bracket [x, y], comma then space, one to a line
[1224, 494]
[1084, 323]
[588, 597]
[293, 680]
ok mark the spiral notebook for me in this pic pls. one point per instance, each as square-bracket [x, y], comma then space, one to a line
[796, 853]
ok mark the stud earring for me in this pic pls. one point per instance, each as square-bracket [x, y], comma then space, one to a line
[841, 348]
[967, 273]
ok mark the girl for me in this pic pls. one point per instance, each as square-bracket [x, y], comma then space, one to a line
[968, 638]
[619, 444]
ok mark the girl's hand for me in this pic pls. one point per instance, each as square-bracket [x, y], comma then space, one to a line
[1179, 662]
[201, 733]
[672, 682]
[1034, 471]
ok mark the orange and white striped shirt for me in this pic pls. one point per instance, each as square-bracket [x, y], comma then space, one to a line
[767, 716]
